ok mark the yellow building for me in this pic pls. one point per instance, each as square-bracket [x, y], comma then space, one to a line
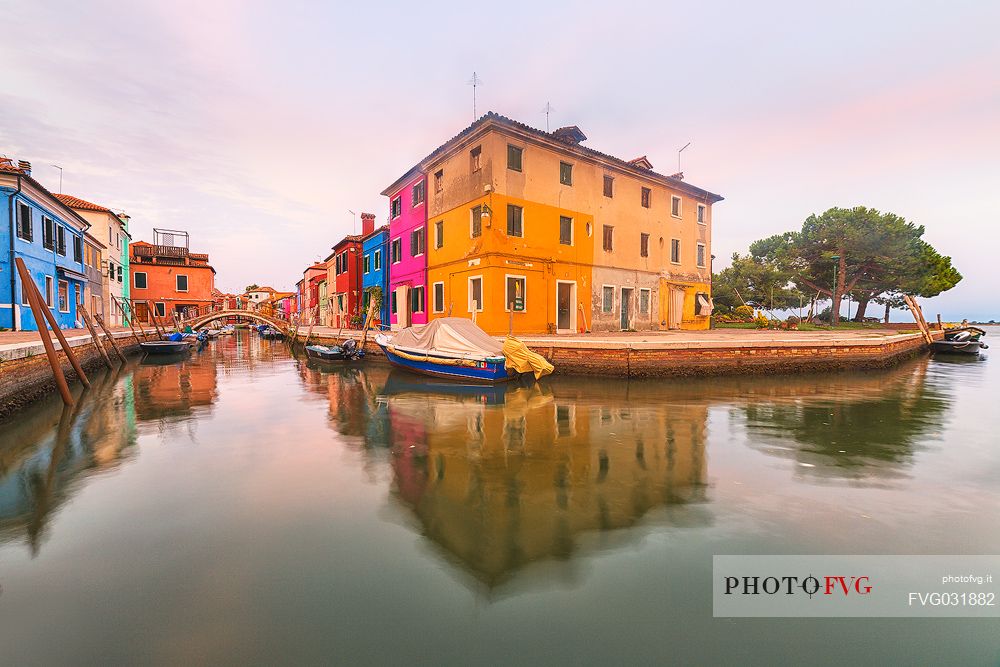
[566, 237]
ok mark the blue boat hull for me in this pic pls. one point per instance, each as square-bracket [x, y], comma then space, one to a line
[486, 372]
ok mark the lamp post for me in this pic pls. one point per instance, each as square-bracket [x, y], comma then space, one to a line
[833, 293]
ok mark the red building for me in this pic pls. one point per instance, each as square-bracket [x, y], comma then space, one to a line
[344, 280]
[311, 278]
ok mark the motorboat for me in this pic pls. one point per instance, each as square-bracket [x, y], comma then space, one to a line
[456, 349]
[165, 346]
[348, 351]
[961, 340]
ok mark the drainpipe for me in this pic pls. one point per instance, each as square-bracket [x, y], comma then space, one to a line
[13, 281]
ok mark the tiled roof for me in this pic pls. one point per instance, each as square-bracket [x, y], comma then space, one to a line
[347, 239]
[503, 121]
[13, 166]
[82, 204]
[377, 230]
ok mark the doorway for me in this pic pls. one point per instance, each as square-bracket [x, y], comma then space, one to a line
[626, 308]
[141, 311]
[676, 308]
[565, 310]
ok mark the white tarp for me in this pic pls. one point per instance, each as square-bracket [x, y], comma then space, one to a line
[706, 305]
[449, 335]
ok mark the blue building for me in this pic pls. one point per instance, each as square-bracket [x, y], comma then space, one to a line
[375, 269]
[48, 236]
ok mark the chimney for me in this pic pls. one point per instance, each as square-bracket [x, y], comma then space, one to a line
[570, 134]
[367, 223]
[24, 166]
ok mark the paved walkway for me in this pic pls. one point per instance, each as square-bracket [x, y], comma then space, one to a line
[20, 344]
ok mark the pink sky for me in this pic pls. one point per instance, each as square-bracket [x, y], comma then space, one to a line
[258, 125]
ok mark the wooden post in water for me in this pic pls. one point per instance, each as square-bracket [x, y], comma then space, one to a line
[911, 303]
[940, 326]
[104, 328]
[130, 320]
[94, 337]
[368, 321]
[36, 304]
[152, 316]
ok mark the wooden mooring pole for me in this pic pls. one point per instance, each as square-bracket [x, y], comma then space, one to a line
[152, 316]
[94, 337]
[104, 328]
[35, 303]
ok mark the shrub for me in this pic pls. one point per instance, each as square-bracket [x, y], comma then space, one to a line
[761, 321]
[745, 313]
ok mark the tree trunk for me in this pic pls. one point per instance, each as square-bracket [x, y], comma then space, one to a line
[838, 289]
[862, 306]
[887, 309]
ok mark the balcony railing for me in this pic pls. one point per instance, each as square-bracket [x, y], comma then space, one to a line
[160, 251]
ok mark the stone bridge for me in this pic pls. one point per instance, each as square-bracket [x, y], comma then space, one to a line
[200, 321]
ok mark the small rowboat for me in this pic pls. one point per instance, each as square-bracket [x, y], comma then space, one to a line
[165, 346]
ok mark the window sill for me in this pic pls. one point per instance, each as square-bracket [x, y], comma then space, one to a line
[676, 217]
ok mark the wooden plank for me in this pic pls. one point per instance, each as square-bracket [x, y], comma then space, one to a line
[100, 322]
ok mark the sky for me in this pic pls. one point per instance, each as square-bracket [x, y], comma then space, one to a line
[259, 126]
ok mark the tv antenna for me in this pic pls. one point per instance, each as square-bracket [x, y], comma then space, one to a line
[475, 82]
[60, 176]
[547, 110]
[679, 156]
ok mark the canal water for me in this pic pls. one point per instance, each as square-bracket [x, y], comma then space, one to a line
[248, 506]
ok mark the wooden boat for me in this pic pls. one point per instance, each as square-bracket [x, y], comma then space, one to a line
[349, 351]
[456, 349]
[165, 346]
[270, 333]
[962, 340]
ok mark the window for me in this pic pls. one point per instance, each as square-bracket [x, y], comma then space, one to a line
[417, 242]
[475, 158]
[392, 302]
[439, 234]
[675, 251]
[644, 245]
[395, 207]
[609, 186]
[48, 291]
[61, 240]
[111, 236]
[515, 221]
[565, 230]
[77, 249]
[609, 238]
[395, 252]
[476, 223]
[161, 309]
[24, 226]
[701, 214]
[63, 296]
[24, 295]
[566, 173]
[514, 157]
[182, 282]
[139, 280]
[48, 234]
[439, 180]
[644, 302]
[438, 297]
[378, 260]
[646, 194]
[608, 302]
[675, 206]
[366, 263]
[418, 194]
[417, 299]
[515, 294]
[119, 273]
[476, 294]
[701, 255]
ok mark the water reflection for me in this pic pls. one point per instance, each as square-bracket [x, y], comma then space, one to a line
[864, 429]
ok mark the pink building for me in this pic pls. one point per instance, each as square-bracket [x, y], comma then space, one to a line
[407, 249]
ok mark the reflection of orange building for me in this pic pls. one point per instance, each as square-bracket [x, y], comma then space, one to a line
[171, 277]
[500, 486]
[174, 389]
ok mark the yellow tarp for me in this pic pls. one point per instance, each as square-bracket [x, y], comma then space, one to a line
[523, 360]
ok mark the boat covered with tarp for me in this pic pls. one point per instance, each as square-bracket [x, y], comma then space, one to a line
[961, 340]
[457, 349]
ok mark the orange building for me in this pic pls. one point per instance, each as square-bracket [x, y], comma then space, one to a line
[168, 275]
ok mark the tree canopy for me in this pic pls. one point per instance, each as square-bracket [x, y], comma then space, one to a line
[876, 256]
[757, 282]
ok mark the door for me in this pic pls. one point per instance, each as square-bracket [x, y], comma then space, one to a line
[402, 306]
[141, 311]
[626, 308]
[564, 306]
[676, 308]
